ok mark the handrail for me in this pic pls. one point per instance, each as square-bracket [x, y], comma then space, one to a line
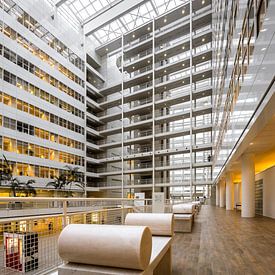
[49, 199]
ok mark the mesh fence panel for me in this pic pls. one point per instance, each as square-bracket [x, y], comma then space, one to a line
[29, 230]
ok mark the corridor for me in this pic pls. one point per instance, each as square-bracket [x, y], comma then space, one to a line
[224, 243]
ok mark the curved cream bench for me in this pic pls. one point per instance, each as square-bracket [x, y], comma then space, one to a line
[160, 224]
[116, 249]
[183, 208]
[106, 245]
[184, 217]
[197, 205]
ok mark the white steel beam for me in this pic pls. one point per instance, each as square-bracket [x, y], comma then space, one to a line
[111, 14]
[58, 3]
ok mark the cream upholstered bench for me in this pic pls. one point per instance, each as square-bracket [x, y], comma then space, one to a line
[184, 217]
[117, 249]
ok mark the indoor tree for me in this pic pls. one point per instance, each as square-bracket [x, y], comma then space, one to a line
[66, 179]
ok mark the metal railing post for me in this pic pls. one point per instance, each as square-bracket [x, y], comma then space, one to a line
[122, 212]
[65, 210]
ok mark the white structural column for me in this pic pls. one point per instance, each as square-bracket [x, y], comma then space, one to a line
[222, 193]
[153, 111]
[191, 100]
[122, 116]
[218, 194]
[248, 186]
[229, 192]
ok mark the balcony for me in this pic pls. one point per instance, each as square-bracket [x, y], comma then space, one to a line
[134, 49]
[44, 218]
[110, 116]
[108, 144]
[138, 122]
[107, 130]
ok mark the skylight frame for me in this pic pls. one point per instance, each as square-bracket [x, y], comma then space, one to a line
[79, 12]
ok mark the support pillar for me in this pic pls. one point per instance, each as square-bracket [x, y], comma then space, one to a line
[218, 194]
[248, 186]
[222, 193]
[229, 192]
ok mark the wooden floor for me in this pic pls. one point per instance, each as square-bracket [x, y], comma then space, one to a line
[224, 243]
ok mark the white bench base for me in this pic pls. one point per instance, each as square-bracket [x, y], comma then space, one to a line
[160, 263]
[183, 223]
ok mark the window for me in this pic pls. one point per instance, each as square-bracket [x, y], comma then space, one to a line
[9, 123]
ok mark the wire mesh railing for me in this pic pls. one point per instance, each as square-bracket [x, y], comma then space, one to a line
[28, 239]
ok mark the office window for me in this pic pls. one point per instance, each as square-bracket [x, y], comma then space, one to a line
[9, 123]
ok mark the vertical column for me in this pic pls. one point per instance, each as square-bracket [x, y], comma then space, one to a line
[229, 191]
[191, 99]
[122, 116]
[248, 186]
[85, 119]
[239, 198]
[153, 106]
[222, 193]
[217, 194]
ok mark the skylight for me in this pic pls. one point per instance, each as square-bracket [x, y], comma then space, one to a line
[81, 11]
[135, 18]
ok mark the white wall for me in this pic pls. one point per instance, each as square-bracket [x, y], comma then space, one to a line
[268, 177]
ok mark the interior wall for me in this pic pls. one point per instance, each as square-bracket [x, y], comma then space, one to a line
[268, 177]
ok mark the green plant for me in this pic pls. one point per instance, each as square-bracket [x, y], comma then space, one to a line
[66, 179]
[5, 171]
[27, 189]
[17, 187]
[58, 183]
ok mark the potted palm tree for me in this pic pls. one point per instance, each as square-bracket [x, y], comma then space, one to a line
[66, 179]
[17, 187]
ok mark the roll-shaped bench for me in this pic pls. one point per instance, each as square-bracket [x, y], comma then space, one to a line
[197, 205]
[184, 217]
[118, 249]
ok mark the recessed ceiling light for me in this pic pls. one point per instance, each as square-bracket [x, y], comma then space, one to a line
[133, 67]
[203, 75]
[203, 57]
[183, 65]
[148, 29]
[183, 11]
[165, 54]
[251, 143]
[183, 82]
[203, 2]
[164, 71]
[133, 36]
[263, 49]
[148, 61]
[263, 30]
[107, 49]
[183, 47]
[164, 87]
[165, 20]
[148, 76]
[203, 40]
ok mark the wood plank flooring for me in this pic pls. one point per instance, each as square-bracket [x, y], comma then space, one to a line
[224, 243]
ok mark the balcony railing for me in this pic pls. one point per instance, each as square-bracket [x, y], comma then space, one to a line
[41, 220]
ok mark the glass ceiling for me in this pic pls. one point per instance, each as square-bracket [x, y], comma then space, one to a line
[78, 12]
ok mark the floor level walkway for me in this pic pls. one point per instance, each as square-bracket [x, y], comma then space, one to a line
[224, 243]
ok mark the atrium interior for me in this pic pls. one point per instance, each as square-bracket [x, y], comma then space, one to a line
[115, 110]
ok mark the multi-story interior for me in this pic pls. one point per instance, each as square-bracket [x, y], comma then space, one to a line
[111, 107]
[139, 96]
[153, 129]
